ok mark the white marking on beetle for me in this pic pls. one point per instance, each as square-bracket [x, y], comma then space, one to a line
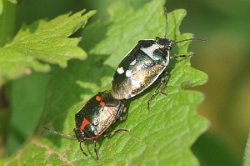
[110, 110]
[150, 50]
[128, 73]
[120, 70]
[133, 62]
[128, 96]
[136, 83]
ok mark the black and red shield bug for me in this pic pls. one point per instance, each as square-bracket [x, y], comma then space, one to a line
[95, 117]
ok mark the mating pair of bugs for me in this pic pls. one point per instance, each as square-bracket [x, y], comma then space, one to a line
[140, 68]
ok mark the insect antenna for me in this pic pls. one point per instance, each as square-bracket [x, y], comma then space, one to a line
[61, 134]
[190, 39]
[166, 20]
[166, 28]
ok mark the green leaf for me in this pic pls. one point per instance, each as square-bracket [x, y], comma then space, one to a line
[247, 153]
[13, 1]
[1, 7]
[211, 150]
[43, 43]
[162, 136]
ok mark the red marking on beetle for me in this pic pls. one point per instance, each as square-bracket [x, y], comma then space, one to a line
[84, 123]
[98, 98]
[102, 103]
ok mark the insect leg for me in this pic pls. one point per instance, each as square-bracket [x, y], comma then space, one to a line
[114, 132]
[82, 149]
[183, 56]
[164, 78]
[97, 158]
[159, 87]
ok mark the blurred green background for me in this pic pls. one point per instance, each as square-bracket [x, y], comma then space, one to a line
[225, 58]
[225, 24]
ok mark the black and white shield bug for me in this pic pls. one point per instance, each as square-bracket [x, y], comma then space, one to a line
[142, 66]
[95, 117]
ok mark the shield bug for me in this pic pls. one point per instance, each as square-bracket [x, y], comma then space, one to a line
[143, 65]
[95, 117]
